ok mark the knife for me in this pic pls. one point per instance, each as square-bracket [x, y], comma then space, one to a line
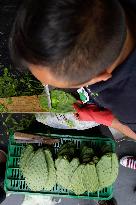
[30, 138]
[47, 93]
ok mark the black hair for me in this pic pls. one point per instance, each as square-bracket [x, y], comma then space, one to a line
[75, 39]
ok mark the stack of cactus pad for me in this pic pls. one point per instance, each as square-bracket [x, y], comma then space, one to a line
[77, 170]
[38, 168]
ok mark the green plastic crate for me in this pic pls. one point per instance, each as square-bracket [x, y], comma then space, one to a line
[15, 182]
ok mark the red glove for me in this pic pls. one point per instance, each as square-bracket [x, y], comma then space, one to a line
[93, 113]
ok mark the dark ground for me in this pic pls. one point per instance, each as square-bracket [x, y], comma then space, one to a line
[8, 10]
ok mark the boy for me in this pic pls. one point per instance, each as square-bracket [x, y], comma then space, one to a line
[82, 43]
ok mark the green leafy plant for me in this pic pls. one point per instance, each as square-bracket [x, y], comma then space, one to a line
[61, 102]
[11, 85]
[13, 123]
[8, 85]
[9, 100]
[2, 108]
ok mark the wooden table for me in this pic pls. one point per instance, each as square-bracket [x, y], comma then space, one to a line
[23, 104]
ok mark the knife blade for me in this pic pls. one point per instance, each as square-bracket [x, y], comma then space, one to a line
[47, 93]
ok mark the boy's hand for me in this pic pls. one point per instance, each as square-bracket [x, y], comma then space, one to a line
[93, 113]
[116, 124]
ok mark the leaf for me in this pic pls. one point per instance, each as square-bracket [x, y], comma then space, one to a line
[9, 100]
[61, 102]
[3, 108]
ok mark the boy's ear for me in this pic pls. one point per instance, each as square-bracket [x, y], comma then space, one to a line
[102, 77]
[105, 76]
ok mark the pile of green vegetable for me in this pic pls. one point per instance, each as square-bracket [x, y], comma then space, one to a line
[61, 102]
[38, 168]
[78, 170]
[83, 170]
[12, 85]
[14, 122]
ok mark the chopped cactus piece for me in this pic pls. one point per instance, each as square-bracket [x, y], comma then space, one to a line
[51, 170]
[57, 161]
[62, 173]
[65, 147]
[87, 154]
[77, 184]
[73, 165]
[28, 163]
[115, 166]
[37, 171]
[107, 170]
[104, 171]
[87, 150]
[90, 178]
[67, 150]
[64, 179]
[106, 149]
[95, 159]
[26, 152]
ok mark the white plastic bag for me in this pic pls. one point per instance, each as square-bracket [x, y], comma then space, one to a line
[64, 121]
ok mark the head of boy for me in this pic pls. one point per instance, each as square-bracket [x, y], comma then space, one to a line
[69, 43]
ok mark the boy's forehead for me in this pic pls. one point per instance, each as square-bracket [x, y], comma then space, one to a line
[46, 77]
[43, 74]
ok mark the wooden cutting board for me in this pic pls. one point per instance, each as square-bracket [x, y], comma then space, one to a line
[22, 104]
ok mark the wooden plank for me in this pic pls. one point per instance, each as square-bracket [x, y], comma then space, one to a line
[23, 104]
